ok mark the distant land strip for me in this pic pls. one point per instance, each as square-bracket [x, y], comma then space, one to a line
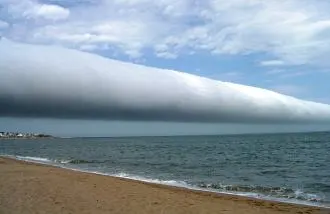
[18, 135]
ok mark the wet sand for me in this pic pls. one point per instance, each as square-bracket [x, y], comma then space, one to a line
[35, 188]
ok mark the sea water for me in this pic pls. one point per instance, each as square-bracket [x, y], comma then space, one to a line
[293, 168]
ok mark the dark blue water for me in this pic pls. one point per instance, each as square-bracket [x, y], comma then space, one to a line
[285, 167]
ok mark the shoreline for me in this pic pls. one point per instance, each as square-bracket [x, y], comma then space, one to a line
[47, 162]
[227, 200]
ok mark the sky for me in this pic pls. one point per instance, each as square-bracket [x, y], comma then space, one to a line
[277, 45]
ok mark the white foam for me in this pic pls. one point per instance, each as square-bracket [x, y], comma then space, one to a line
[62, 161]
[33, 159]
[151, 180]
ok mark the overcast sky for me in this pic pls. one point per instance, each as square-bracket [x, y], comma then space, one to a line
[277, 45]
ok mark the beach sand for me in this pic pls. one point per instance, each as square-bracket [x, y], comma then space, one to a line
[35, 188]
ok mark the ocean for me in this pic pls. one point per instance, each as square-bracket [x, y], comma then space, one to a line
[294, 168]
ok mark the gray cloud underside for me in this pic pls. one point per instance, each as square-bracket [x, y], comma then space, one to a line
[53, 82]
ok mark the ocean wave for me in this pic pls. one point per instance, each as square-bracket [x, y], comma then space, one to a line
[78, 161]
[32, 159]
[277, 192]
[176, 183]
[54, 161]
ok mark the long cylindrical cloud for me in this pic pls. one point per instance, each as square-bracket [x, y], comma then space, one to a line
[53, 82]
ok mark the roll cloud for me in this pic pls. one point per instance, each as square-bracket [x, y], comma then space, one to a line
[54, 82]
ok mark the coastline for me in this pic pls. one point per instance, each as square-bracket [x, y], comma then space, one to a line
[28, 187]
[18, 135]
[26, 138]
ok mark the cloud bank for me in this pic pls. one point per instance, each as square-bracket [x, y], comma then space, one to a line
[53, 82]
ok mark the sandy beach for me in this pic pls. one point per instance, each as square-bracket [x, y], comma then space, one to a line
[34, 188]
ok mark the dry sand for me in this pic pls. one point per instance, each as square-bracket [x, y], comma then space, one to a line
[34, 188]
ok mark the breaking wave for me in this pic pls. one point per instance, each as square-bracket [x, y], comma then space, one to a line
[277, 192]
[79, 161]
[50, 161]
[31, 159]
